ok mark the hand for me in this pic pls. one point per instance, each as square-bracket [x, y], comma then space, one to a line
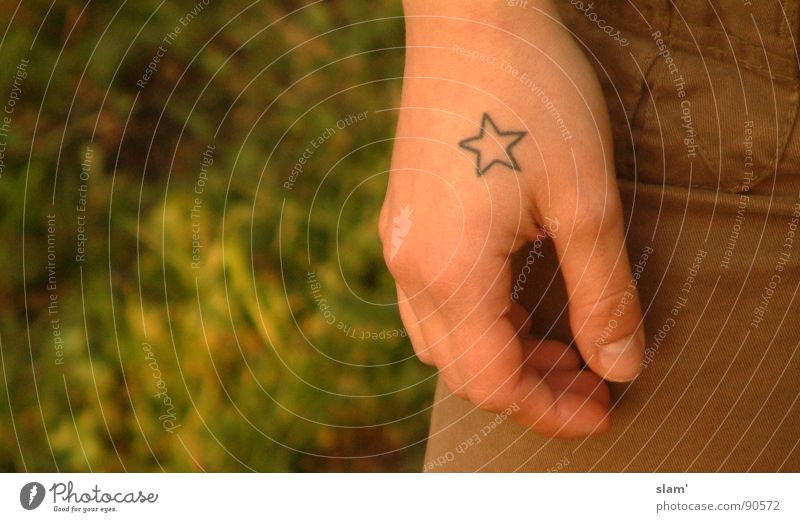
[503, 136]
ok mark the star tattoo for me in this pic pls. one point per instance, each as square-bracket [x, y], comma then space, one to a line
[492, 146]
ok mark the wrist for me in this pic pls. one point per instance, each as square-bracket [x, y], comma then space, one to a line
[496, 12]
[486, 24]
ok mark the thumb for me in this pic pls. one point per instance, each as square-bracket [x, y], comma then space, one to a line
[604, 309]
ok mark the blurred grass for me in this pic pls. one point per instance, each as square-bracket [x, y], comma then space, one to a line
[256, 377]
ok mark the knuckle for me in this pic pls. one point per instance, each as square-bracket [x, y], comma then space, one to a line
[400, 266]
[604, 307]
[384, 225]
[492, 403]
[550, 425]
[487, 395]
[440, 284]
[597, 211]
[604, 319]
[401, 255]
[383, 219]
[452, 385]
[424, 355]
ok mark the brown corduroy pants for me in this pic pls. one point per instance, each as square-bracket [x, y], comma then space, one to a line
[704, 106]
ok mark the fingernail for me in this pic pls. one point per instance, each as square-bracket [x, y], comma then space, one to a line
[622, 359]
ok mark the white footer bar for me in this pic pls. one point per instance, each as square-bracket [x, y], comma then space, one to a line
[385, 497]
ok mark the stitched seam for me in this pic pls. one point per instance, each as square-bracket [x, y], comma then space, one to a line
[784, 145]
[785, 54]
[728, 189]
[778, 61]
[791, 9]
[793, 17]
[697, 186]
[641, 112]
[662, 80]
[722, 55]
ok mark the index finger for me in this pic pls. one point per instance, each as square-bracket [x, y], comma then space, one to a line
[490, 356]
[604, 310]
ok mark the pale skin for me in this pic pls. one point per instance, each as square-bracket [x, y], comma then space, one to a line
[468, 213]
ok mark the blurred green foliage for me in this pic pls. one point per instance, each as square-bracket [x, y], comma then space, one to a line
[236, 351]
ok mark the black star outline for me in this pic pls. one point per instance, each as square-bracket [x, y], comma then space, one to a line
[513, 165]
